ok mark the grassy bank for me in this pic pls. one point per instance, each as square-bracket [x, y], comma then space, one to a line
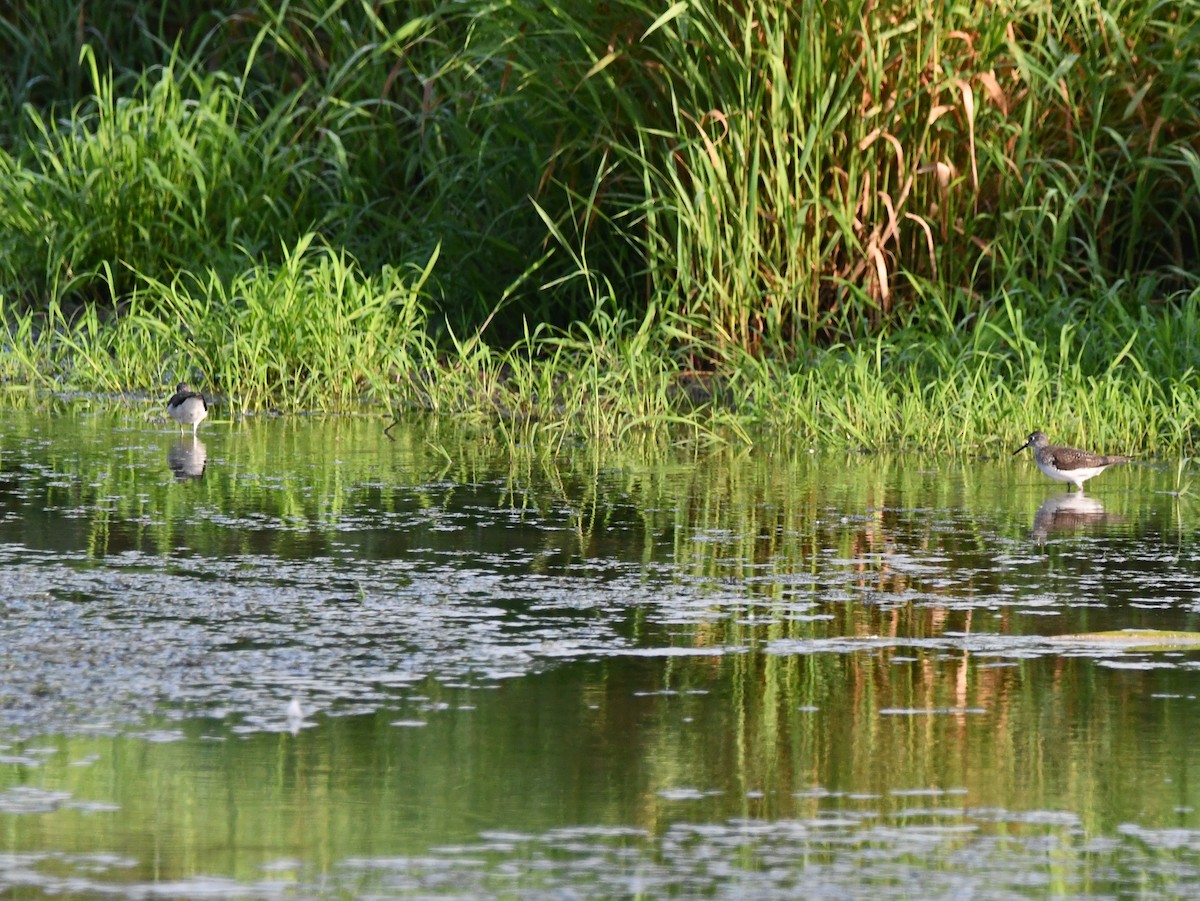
[856, 224]
[1088, 371]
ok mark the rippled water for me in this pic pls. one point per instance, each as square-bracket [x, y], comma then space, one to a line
[295, 658]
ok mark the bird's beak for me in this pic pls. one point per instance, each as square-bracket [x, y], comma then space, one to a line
[1021, 448]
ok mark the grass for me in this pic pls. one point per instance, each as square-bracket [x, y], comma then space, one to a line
[318, 333]
[313, 332]
[982, 392]
[856, 224]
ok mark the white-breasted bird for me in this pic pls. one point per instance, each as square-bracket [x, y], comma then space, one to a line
[1068, 464]
[187, 407]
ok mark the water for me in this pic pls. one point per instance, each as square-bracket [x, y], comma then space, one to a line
[297, 659]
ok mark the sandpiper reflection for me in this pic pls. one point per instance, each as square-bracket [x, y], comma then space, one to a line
[187, 458]
[1068, 513]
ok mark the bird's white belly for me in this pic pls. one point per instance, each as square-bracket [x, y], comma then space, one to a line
[189, 412]
[1073, 475]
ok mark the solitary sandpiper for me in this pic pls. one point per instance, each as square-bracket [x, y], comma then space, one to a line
[1067, 464]
[187, 407]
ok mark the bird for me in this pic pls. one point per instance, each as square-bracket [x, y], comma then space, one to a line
[187, 407]
[1068, 464]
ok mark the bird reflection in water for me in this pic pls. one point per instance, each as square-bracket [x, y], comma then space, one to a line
[1068, 513]
[187, 458]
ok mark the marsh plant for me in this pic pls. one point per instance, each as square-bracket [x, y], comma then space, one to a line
[864, 223]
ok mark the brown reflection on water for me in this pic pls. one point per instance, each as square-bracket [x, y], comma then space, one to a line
[1069, 514]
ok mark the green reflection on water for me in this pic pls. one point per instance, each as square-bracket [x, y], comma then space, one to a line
[743, 552]
[615, 744]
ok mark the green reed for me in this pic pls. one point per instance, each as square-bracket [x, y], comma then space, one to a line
[179, 175]
[797, 171]
[314, 332]
[765, 171]
[338, 336]
[862, 224]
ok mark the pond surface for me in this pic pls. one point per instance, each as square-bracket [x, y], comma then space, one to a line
[294, 658]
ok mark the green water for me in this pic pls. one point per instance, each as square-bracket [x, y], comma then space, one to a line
[659, 672]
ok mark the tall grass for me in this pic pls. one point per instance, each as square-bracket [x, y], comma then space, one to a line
[862, 222]
[181, 175]
[818, 170]
[338, 336]
[313, 332]
[765, 170]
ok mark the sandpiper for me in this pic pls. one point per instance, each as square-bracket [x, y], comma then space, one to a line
[187, 407]
[1067, 464]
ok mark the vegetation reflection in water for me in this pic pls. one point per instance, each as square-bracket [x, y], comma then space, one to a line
[671, 672]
